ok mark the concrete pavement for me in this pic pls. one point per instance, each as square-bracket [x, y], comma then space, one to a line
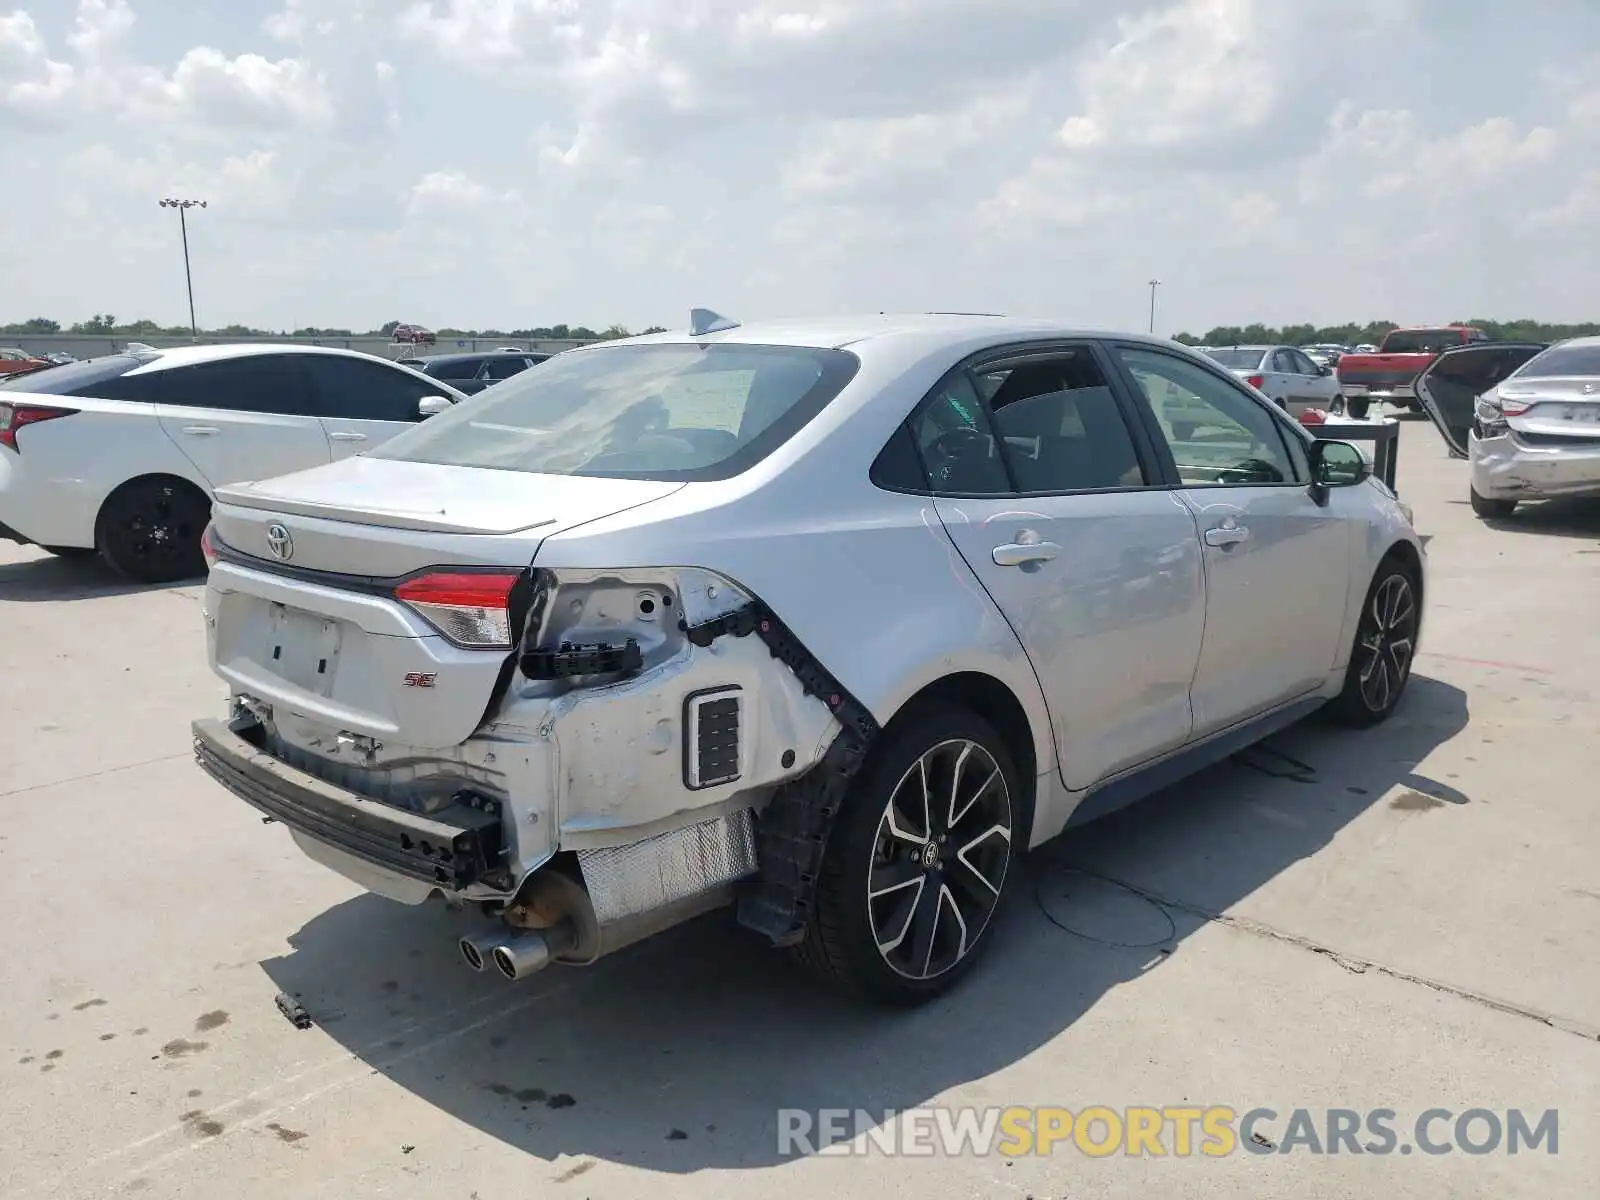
[1404, 919]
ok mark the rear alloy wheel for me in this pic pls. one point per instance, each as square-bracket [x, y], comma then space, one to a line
[150, 531]
[1491, 510]
[917, 865]
[1386, 640]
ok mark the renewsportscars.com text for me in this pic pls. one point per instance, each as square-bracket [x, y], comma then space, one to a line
[1168, 1131]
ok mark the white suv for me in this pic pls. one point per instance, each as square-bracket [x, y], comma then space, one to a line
[121, 454]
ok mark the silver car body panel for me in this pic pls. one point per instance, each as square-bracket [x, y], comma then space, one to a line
[886, 590]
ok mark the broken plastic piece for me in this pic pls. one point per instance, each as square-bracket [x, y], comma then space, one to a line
[590, 658]
[293, 1009]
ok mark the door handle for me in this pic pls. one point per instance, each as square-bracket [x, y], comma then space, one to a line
[1014, 554]
[201, 430]
[1227, 535]
[340, 435]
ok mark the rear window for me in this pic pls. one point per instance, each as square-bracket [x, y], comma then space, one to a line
[669, 412]
[73, 379]
[1422, 341]
[1236, 360]
[1562, 360]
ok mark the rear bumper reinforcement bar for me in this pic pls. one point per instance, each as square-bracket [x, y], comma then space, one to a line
[453, 848]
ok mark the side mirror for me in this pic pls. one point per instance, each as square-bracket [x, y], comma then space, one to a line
[1338, 464]
[432, 406]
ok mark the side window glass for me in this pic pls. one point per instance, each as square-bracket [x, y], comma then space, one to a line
[1283, 363]
[1304, 365]
[263, 383]
[504, 368]
[1219, 434]
[955, 442]
[455, 369]
[365, 391]
[1061, 429]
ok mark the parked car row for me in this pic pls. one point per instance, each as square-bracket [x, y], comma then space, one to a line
[572, 655]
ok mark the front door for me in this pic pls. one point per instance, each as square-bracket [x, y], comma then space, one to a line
[1277, 564]
[1048, 487]
[365, 402]
[1450, 387]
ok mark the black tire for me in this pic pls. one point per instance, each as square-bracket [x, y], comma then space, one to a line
[1356, 408]
[925, 951]
[1490, 510]
[149, 530]
[1385, 644]
[69, 551]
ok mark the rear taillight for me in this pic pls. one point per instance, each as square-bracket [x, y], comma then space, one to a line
[208, 545]
[1255, 381]
[14, 416]
[1513, 408]
[471, 608]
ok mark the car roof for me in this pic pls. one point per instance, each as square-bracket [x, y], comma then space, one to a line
[1250, 346]
[157, 358]
[968, 332]
[458, 356]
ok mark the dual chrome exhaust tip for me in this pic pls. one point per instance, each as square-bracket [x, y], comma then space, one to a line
[517, 955]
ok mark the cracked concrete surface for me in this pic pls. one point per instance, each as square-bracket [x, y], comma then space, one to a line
[1404, 919]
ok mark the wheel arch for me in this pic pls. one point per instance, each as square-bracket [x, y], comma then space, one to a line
[994, 701]
[1407, 554]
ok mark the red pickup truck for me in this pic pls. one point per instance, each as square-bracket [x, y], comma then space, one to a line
[1390, 374]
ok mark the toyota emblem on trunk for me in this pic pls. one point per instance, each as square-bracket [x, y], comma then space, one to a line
[279, 542]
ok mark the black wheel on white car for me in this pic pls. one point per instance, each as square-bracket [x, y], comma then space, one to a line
[149, 529]
[1490, 509]
[916, 867]
[1386, 640]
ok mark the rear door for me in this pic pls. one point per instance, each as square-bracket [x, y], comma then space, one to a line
[1278, 566]
[243, 418]
[1315, 385]
[1047, 486]
[1450, 387]
[364, 402]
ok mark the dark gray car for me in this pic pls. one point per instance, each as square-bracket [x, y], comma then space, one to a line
[471, 373]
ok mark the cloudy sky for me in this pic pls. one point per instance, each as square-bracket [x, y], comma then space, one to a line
[514, 163]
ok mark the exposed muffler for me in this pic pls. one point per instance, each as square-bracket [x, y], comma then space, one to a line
[519, 956]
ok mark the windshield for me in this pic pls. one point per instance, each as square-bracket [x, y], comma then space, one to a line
[663, 411]
[1422, 341]
[1562, 360]
[1237, 359]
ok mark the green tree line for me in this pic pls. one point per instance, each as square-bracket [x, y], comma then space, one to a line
[107, 324]
[1352, 334]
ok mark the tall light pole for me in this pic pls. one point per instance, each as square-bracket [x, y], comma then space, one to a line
[1154, 284]
[183, 206]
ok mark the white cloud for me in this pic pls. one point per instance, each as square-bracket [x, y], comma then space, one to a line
[619, 160]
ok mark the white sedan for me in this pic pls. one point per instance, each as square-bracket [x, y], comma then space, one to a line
[121, 454]
[1284, 374]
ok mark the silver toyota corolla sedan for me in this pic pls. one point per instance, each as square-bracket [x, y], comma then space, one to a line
[827, 620]
[1525, 416]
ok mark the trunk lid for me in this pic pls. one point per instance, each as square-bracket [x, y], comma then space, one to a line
[1449, 389]
[301, 606]
[1566, 409]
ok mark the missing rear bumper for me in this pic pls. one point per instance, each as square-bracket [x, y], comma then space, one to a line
[453, 848]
